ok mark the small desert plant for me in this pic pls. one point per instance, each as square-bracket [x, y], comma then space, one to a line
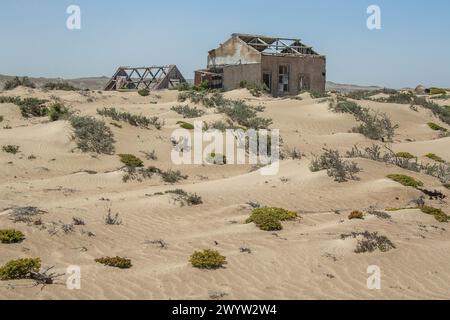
[447, 185]
[188, 112]
[405, 180]
[92, 135]
[67, 227]
[185, 125]
[341, 170]
[78, 221]
[405, 155]
[255, 89]
[20, 268]
[379, 214]
[185, 198]
[10, 148]
[216, 158]
[11, 236]
[435, 157]
[57, 111]
[150, 155]
[438, 214]
[117, 262]
[59, 86]
[268, 218]
[207, 259]
[370, 241]
[172, 176]
[356, 215]
[436, 127]
[112, 219]
[24, 214]
[144, 92]
[132, 119]
[131, 160]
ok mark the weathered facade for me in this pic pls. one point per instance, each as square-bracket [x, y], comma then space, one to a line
[285, 66]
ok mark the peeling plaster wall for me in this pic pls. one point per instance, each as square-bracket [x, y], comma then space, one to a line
[232, 75]
[233, 51]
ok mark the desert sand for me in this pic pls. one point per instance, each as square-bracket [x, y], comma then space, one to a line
[306, 260]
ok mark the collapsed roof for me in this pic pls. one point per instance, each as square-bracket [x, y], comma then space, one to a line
[275, 46]
[155, 77]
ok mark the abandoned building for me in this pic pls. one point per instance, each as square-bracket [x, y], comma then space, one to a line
[284, 66]
[152, 78]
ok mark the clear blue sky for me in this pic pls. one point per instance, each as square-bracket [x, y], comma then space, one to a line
[412, 47]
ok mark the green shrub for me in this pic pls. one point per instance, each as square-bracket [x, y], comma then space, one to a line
[57, 111]
[185, 125]
[438, 214]
[92, 135]
[356, 215]
[216, 158]
[19, 269]
[172, 176]
[188, 112]
[268, 218]
[434, 91]
[60, 86]
[132, 119]
[32, 107]
[405, 155]
[117, 262]
[144, 92]
[434, 157]
[11, 236]
[436, 127]
[16, 82]
[10, 148]
[447, 185]
[207, 259]
[131, 160]
[405, 180]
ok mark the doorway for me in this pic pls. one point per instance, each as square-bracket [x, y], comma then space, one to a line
[267, 80]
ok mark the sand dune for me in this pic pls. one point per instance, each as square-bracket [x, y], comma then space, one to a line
[308, 259]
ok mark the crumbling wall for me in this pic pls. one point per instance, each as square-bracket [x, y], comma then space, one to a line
[233, 51]
[233, 75]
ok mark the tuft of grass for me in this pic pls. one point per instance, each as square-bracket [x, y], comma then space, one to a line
[57, 111]
[11, 236]
[117, 262]
[10, 148]
[207, 259]
[185, 125]
[185, 198]
[435, 157]
[405, 180]
[436, 127]
[438, 214]
[405, 155]
[20, 268]
[268, 218]
[130, 160]
[356, 215]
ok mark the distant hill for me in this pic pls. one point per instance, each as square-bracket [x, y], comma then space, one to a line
[92, 83]
[98, 83]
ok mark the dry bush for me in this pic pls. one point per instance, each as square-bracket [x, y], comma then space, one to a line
[269, 218]
[112, 219]
[207, 259]
[117, 262]
[188, 112]
[185, 198]
[356, 215]
[370, 241]
[132, 119]
[92, 135]
[338, 168]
